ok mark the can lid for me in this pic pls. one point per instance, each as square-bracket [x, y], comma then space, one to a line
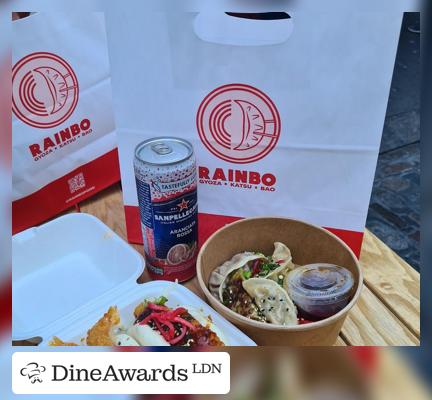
[163, 151]
[320, 282]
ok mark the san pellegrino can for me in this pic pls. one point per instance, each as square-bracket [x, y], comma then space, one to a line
[166, 180]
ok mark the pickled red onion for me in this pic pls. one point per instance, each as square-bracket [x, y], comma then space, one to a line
[179, 337]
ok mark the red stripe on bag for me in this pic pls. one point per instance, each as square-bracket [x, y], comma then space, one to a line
[65, 192]
[209, 223]
[133, 224]
[353, 239]
[6, 302]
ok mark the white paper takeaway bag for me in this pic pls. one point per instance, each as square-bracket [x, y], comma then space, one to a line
[63, 135]
[285, 115]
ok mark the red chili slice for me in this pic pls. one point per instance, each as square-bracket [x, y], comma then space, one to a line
[171, 329]
[255, 267]
[185, 323]
[178, 311]
[162, 331]
[179, 337]
[156, 307]
[164, 320]
[147, 319]
[170, 315]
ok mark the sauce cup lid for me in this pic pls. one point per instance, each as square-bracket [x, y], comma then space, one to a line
[321, 282]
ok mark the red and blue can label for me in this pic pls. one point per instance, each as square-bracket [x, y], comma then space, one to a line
[167, 197]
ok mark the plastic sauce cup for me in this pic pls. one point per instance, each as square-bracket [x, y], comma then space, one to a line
[320, 290]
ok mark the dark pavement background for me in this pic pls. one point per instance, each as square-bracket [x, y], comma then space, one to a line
[394, 212]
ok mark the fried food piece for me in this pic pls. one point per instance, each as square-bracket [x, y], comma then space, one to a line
[58, 342]
[139, 309]
[100, 333]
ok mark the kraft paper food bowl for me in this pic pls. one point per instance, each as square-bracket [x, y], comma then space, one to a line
[308, 244]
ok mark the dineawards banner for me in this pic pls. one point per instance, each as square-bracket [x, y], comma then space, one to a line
[285, 113]
[120, 373]
[63, 137]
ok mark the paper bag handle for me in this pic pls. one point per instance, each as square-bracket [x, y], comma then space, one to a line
[243, 29]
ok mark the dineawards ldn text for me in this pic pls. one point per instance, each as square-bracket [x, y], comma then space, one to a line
[113, 374]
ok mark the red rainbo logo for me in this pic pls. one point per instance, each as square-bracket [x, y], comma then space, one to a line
[44, 90]
[238, 123]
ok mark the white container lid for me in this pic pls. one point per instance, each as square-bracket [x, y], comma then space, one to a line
[63, 267]
[68, 272]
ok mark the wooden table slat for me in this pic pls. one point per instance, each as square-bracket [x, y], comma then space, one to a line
[392, 280]
[340, 342]
[370, 323]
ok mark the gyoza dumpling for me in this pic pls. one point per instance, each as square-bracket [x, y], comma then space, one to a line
[272, 300]
[282, 257]
[237, 262]
[221, 272]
